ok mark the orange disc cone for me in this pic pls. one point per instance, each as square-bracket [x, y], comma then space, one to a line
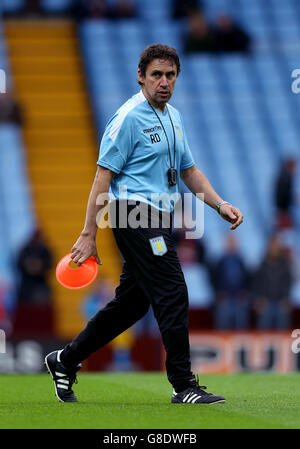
[79, 277]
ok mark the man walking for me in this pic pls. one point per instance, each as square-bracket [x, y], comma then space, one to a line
[142, 153]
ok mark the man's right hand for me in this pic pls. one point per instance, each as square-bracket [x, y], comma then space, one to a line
[84, 248]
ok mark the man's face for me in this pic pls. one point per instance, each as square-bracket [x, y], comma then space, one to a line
[159, 81]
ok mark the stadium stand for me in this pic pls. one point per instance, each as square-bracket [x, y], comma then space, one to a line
[240, 114]
[60, 143]
[17, 217]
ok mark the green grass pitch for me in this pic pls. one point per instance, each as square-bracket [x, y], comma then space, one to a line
[142, 401]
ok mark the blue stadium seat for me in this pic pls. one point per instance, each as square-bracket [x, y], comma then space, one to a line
[12, 5]
[17, 196]
[254, 22]
[96, 30]
[252, 245]
[156, 10]
[165, 33]
[215, 7]
[198, 284]
[16, 215]
[56, 6]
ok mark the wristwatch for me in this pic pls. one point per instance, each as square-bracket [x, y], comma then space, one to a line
[221, 204]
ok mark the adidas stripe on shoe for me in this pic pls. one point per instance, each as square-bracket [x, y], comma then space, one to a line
[63, 377]
[195, 394]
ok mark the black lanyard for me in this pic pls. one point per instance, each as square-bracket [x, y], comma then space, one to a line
[172, 166]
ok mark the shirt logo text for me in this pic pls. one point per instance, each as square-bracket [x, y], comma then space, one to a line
[152, 130]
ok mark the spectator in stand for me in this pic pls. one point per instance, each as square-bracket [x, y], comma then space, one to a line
[229, 37]
[183, 8]
[200, 36]
[121, 9]
[32, 7]
[91, 9]
[230, 279]
[34, 263]
[101, 9]
[28, 8]
[9, 109]
[225, 36]
[284, 193]
[271, 287]
[198, 246]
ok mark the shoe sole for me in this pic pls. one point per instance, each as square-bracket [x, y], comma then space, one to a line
[217, 402]
[50, 372]
[201, 403]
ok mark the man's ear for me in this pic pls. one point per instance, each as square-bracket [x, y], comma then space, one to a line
[140, 77]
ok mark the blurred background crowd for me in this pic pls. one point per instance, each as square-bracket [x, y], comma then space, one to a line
[69, 65]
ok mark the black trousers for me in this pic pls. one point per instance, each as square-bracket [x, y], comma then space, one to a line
[148, 279]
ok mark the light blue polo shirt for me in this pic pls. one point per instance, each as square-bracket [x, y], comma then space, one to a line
[134, 146]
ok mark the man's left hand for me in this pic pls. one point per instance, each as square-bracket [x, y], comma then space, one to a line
[231, 214]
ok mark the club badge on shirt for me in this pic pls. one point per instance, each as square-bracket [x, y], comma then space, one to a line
[179, 132]
[158, 246]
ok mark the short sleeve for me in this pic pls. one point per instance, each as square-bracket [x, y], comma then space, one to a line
[187, 159]
[117, 143]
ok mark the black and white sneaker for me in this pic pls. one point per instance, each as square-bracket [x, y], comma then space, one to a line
[195, 394]
[63, 378]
